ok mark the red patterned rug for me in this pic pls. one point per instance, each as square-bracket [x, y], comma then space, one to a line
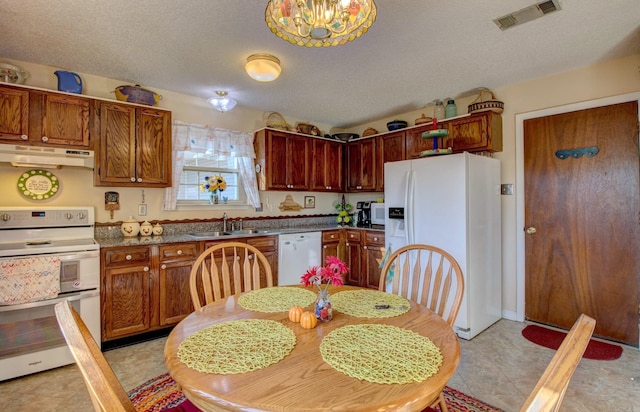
[552, 339]
[162, 393]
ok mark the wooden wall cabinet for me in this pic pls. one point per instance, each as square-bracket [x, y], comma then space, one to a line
[44, 118]
[361, 165]
[389, 148]
[283, 160]
[134, 146]
[145, 288]
[326, 166]
[476, 133]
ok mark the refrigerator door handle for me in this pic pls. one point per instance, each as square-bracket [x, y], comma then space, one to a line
[409, 208]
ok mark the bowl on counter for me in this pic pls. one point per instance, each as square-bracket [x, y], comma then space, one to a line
[345, 137]
[396, 124]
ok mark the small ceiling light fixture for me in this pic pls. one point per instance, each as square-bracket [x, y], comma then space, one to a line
[222, 103]
[320, 23]
[263, 67]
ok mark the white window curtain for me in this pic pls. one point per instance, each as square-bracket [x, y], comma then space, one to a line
[199, 138]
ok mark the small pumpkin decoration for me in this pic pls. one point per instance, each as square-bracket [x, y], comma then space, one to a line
[308, 320]
[294, 313]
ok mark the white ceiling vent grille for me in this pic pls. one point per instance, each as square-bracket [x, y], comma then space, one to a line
[527, 14]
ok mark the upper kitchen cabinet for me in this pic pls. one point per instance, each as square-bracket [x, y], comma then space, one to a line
[283, 160]
[43, 118]
[476, 133]
[134, 146]
[361, 165]
[390, 148]
[326, 166]
[416, 143]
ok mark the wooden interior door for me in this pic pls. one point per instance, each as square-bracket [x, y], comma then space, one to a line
[582, 219]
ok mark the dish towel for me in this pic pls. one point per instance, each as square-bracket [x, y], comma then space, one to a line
[389, 278]
[29, 279]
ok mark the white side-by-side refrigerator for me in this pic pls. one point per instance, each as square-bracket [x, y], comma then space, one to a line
[452, 202]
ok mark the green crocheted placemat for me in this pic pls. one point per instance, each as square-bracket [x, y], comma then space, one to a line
[381, 353]
[236, 347]
[364, 303]
[276, 299]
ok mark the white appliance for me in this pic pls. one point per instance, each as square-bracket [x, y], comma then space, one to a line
[377, 213]
[452, 202]
[34, 156]
[297, 252]
[30, 339]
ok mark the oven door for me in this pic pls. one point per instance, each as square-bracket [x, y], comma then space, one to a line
[30, 338]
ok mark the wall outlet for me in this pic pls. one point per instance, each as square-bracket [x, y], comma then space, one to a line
[142, 210]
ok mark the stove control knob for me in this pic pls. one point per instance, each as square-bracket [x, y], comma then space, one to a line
[6, 217]
[68, 215]
[81, 215]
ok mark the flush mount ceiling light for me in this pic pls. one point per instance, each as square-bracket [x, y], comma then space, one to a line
[263, 67]
[222, 103]
[320, 23]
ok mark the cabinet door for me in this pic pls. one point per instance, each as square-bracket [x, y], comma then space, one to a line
[478, 132]
[65, 120]
[126, 301]
[389, 148]
[174, 296]
[331, 240]
[416, 144]
[277, 154]
[117, 157]
[373, 252]
[326, 166]
[153, 148]
[334, 166]
[298, 169]
[353, 257]
[14, 115]
[361, 165]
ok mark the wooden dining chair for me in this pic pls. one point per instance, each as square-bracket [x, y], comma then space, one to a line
[226, 269]
[427, 275]
[105, 390]
[549, 392]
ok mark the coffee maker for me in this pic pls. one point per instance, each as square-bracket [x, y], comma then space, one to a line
[364, 214]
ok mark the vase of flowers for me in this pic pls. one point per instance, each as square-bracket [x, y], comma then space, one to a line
[213, 185]
[330, 274]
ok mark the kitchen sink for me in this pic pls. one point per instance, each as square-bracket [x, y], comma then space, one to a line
[209, 234]
[249, 231]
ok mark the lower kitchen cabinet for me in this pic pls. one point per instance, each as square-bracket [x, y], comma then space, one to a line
[352, 247]
[145, 288]
[331, 240]
[268, 245]
[372, 254]
[174, 297]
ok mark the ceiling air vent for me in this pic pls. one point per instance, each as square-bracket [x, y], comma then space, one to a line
[527, 14]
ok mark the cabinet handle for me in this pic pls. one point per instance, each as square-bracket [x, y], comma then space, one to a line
[128, 257]
[358, 187]
[163, 266]
[250, 256]
[324, 247]
[332, 236]
[351, 236]
[346, 244]
[139, 180]
[45, 139]
[146, 268]
[364, 247]
[375, 239]
[179, 252]
[24, 137]
[133, 179]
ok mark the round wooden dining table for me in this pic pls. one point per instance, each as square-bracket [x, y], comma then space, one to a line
[303, 381]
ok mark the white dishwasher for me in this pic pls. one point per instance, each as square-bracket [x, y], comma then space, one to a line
[297, 252]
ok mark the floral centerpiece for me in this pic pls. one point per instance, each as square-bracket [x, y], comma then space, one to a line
[213, 185]
[330, 274]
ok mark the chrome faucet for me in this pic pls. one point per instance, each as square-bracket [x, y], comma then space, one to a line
[233, 225]
[224, 221]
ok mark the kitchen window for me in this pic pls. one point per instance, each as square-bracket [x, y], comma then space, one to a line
[199, 165]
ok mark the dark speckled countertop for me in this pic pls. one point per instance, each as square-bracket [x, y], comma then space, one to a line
[174, 237]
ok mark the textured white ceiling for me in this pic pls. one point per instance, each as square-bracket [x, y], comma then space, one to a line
[417, 51]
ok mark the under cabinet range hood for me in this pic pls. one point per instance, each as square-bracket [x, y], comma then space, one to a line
[38, 156]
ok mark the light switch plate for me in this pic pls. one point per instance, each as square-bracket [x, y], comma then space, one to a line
[142, 210]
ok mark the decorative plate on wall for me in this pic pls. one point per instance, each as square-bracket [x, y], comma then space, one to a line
[38, 184]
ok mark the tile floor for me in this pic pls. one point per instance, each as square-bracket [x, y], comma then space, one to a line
[498, 366]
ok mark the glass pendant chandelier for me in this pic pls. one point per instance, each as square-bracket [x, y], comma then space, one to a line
[222, 103]
[320, 23]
